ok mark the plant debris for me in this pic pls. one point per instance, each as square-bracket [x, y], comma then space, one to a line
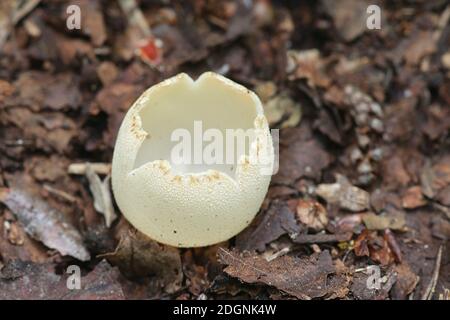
[30, 281]
[364, 162]
[101, 192]
[344, 194]
[44, 223]
[304, 278]
[139, 256]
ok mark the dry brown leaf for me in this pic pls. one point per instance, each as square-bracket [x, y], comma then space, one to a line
[312, 214]
[305, 278]
[268, 226]
[407, 281]
[301, 155]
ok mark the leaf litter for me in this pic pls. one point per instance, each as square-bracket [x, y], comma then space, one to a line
[376, 123]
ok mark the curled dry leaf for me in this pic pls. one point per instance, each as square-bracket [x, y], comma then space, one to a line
[304, 278]
[102, 195]
[45, 223]
[345, 195]
[372, 245]
[312, 214]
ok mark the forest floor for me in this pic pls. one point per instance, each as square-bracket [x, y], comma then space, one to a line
[365, 112]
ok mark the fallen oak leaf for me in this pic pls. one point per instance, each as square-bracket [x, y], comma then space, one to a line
[304, 278]
[44, 223]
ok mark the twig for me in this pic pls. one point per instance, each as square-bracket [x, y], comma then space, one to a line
[278, 254]
[80, 168]
[445, 295]
[23, 10]
[432, 285]
[442, 23]
[322, 238]
[13, 15]
[60, 193]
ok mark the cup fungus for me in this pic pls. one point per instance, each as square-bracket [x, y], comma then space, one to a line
[200, 202]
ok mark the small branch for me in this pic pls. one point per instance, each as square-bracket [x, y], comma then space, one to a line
[60, 193]
[23, 10]
[428, 294]
[98, 168]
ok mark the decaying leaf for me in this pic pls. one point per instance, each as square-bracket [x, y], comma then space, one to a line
[137, 255]
[305, 278]
[102, 195]
[344, 194]
[21, 280]
[407, 281]
[302, 156]
[371, 244]
[45, 223]
[367, 287]
[312, 214]
[267, 227]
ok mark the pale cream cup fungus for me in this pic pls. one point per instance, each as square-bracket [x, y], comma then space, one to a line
[191, 204]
